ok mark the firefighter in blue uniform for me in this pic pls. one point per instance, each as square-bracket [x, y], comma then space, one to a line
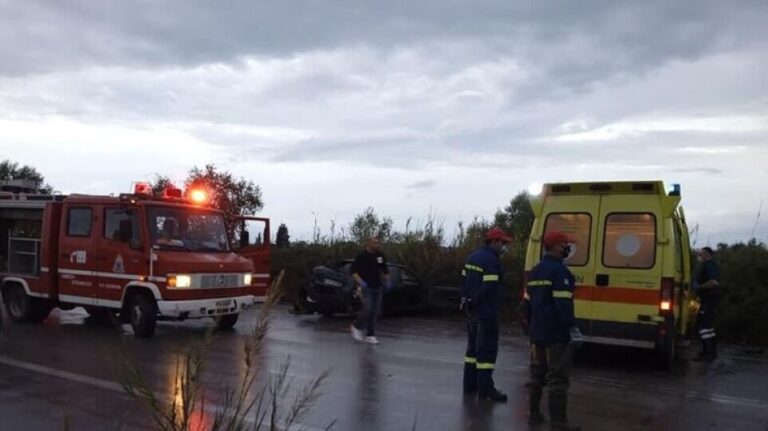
[706, 284]
[548, 302]
[481, 302]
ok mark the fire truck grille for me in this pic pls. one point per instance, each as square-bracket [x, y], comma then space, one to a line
[220, 281]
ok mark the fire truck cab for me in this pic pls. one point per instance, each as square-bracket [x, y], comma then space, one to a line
[137, 256]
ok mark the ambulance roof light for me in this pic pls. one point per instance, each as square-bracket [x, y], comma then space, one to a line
[675, 190]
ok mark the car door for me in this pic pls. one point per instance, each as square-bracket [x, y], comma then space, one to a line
[394, 298]
[76, 260]
[413, 291]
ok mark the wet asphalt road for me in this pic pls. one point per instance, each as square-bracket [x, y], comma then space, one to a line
[65, 371]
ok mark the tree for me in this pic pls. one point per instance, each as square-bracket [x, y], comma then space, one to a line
[283, 239]
[517, 217]
[160, 183]
[234, 196]
[231, 195]
[369, 224]
[12, 171]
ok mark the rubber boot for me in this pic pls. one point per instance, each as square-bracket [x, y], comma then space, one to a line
[534, 401]
[703, 353]
[493, 395]
[558, 406]
[713, 348]
[470, 378]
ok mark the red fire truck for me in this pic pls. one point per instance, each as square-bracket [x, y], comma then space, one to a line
[138, 256]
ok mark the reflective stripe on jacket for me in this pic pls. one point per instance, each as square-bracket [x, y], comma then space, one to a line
[550, 292]
[483, 283]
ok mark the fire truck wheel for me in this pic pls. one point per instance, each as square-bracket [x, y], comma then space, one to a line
[17, 303]
[143, 312]
[21, 307]
[226, 321]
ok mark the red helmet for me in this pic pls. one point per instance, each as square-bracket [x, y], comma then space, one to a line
[556, 237]
[496, 233]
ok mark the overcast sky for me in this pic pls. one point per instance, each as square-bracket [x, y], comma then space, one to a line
[412, 107]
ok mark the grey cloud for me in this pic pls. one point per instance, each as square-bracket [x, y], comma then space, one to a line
[575, 43]
[702, 170]
[425, 184]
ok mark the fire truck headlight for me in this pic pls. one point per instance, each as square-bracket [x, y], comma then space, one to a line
[247, 279]
[179, 281]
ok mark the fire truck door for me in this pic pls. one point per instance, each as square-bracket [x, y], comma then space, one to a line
[76, 259]
[121, 258]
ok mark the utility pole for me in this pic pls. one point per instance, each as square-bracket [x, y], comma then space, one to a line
[757, 220]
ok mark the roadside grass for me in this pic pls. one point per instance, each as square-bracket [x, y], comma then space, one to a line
[250, 405]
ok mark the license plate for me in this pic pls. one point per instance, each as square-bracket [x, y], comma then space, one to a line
[226, 303]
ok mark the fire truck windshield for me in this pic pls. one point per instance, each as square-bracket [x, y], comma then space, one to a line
[187, 229]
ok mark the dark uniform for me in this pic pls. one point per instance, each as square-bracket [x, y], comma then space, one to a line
[708, 298]
[549, 309]
[484, 292]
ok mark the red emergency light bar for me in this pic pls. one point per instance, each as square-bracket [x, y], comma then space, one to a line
[142, 188]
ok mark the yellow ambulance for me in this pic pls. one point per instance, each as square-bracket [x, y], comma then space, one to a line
[631, 259]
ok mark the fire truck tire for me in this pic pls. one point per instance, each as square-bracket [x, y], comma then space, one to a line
[143, 315]
[23, 308]
[226, 321]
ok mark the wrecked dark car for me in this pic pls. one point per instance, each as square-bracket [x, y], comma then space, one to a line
[331, 290]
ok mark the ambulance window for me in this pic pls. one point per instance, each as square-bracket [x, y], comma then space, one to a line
[121, 225]
[79, 222]
[630, 241]
[578, 225]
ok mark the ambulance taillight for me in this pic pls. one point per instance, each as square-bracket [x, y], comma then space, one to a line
[667, 296]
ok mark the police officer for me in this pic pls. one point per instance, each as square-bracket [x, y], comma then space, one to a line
[552, 330]
[482, 300]
[707, 286]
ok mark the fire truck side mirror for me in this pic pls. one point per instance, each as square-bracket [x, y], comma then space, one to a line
[244, 239]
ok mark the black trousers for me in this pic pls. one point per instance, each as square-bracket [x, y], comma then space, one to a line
[706, 325]
[480, 356]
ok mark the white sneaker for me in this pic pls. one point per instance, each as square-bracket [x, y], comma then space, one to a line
[356, 333]
[371, 340]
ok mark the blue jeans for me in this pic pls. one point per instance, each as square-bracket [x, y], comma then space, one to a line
[370, 311]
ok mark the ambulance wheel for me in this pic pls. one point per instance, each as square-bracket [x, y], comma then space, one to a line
[143, 314]
[226, 321]
[666, 354]
[23, 308]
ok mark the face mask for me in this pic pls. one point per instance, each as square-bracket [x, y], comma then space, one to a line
[566, 251]
[503, 249]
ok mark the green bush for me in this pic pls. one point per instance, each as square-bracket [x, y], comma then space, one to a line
[743, 309]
